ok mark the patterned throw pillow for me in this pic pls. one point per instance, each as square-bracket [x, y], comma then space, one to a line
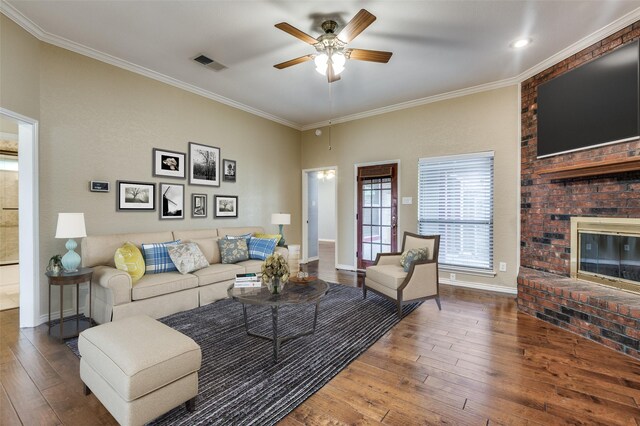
[157, 258]
[128, 258]
[187, 257]
[270, 236]
[233, 251]
[413, 255]
[261, 248]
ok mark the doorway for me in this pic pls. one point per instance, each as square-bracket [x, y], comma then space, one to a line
[377, 211]
[9, 257]
[28, 251]
[320, 230]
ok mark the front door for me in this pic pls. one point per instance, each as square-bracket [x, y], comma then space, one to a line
[377, 214]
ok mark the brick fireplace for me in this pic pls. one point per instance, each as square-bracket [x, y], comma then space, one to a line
[598, 182]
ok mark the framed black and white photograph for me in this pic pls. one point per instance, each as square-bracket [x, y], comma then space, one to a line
[98, 186]
[171, 201]
[204, 165]
[198, 205]
[169, 163]
[229, 167]
[225, 206]
[136, 196]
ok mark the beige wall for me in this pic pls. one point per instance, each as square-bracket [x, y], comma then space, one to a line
[99, 122]
[480, 122]
[19, 69]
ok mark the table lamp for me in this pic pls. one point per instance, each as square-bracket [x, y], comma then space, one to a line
[71, 225]
[281, 219]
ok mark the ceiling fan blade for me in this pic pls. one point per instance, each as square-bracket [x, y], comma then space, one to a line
[370, 55]
[357, 25]
[295, 61]
[290, 29]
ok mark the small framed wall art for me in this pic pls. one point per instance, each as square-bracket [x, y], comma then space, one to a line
[136, 196]
[225, 206]
[171, 201]
[98, 186]
[198, 205]
[204, 165]
[229, 167]
[169, 163]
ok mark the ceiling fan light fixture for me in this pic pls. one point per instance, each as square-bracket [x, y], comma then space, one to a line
[338, 60]
[321, 63]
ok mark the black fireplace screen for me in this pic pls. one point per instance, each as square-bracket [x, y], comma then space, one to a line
[616, 256]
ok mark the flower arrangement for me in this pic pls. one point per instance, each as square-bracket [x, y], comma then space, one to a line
[275, 272]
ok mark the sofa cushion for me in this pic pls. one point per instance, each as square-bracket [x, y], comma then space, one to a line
[156, 257]
[217, 273]
[270, 236]
[128, 258]
[210, 248]
[187, 257]
[233, 251]
[261, 248]
[251, 265]
[152, 285]
[138, 355]
[240, 230]
[195, 234]
[390, 276]
[99, 249]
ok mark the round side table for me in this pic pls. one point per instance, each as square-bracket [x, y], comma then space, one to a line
[71, 327]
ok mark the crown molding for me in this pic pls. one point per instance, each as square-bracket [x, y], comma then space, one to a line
[576, 47]
[30, 26]
[416, 102]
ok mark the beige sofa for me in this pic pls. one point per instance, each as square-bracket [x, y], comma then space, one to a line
[158, 295]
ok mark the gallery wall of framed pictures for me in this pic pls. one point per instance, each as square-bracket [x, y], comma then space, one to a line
[201, 165]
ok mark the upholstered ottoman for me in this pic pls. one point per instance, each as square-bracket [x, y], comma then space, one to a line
[139, 368]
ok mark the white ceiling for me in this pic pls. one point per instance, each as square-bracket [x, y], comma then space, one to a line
[438, 46]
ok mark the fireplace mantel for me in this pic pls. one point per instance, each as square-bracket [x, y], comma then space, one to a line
[605, 167]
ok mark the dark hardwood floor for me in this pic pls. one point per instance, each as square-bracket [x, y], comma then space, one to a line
[476, 362]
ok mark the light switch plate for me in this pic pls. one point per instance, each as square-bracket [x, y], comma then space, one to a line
[407, 200]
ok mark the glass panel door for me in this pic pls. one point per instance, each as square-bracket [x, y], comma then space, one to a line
[377, 212]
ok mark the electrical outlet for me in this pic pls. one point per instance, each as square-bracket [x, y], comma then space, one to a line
[452, 277]
[503, 266]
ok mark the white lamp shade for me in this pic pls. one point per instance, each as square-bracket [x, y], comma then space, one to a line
[280, 219]
[71, 225]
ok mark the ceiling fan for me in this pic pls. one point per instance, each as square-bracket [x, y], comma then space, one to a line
[332, 51]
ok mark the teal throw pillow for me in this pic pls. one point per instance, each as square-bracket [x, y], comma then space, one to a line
[413, 255]
[233, 251]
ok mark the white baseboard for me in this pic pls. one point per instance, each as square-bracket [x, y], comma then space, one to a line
[56, 315]
[346, 267]
[322, 240]
[480, 286]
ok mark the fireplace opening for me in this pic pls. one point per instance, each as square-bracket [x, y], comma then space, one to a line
[606, 251]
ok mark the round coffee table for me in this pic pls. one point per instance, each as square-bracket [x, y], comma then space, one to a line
[293, 294]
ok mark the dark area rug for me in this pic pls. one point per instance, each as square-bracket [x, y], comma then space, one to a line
[238, 382]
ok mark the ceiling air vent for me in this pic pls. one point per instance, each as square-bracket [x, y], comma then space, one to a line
[209, 63]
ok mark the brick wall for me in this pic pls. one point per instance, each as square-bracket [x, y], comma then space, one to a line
[546, 205]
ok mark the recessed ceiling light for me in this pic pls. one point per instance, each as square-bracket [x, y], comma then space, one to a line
[520, 43]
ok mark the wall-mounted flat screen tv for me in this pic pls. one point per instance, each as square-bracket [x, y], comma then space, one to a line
[594, 104]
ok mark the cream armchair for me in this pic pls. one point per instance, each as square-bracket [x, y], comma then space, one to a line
[388, 278]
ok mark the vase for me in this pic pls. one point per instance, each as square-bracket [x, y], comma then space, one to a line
[275, 285]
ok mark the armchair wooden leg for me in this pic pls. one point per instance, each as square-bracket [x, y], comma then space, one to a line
[364, 291]
[438, 302]
[399, 304]
[86, 390]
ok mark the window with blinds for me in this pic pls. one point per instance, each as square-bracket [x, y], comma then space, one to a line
[455, 201]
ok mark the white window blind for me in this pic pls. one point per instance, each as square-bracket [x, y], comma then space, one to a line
[455, 201]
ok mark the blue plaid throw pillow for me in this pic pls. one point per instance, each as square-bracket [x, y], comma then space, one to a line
[261, 248]
[156, 257]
